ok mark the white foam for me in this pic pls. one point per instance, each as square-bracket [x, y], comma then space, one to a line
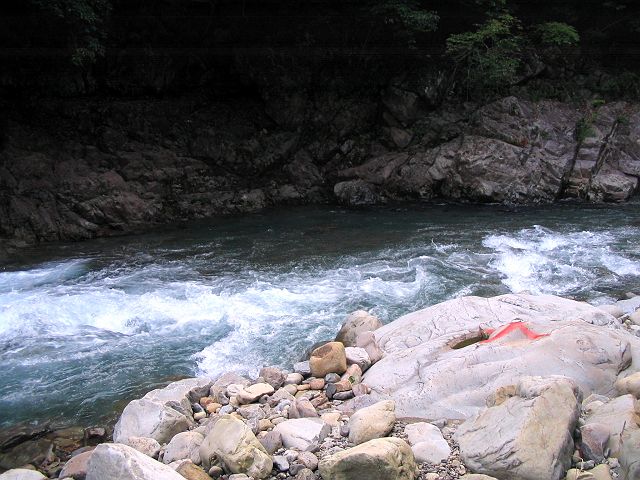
[540, 260]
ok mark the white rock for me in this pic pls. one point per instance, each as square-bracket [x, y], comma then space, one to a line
[233, 442]
[22, 474]
[358, 356]
[427, 442]
[161, 413]
[185, 445]
[612, 309]
[146, 445]
[429, 379]
[120, 462]
[372, 422]
[528, 436]
[254, 392]
[379, 459]
[304, 434]
[356, 323]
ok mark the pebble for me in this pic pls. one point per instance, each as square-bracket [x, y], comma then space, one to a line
[344, 395]
[200, 415]
[280, 463]
[317, 384]
[293, 379]
[332, 378]
[216, 472]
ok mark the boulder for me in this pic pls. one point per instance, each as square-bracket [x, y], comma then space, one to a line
[372, 422]
[22, 474]
[379, 459]
[273, 376]
[367, 341]
[428, 377]
[600, 472]
[612, 309]
[619, 415]
[356, 323]
[305, 434]
[528, 437]
[329, 358]
[629, 455]
[630, 384]
[76, 467]
[427, 442]
[476, 476]
[358, 356]
[146, 445]
[302, 408]
[162, 413]
[233, 442]
[121, 462]
[184, 445]
[192, 472]
[356, 193]
[254, 392]
[594, 441]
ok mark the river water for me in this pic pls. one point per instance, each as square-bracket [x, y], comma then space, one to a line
[86, 327]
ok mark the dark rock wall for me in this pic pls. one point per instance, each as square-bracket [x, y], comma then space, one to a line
[77, 169]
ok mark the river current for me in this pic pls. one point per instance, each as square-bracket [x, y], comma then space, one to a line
[86, 327]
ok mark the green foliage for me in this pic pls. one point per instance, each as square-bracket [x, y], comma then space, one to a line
[490, 54]
[85, 21]
[584, 127]
[558, 34]
[408, 14]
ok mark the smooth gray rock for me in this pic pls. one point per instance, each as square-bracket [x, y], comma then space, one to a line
[619, 415]
[22, 474]
[304, 434]
[77, 466]
[427, 378]
[379, 459]
[527, 437]
[356, 323]
[162, 413]
[427, 442]
[372, 422]
[146, 445]
[233, 442]
[184, 445]
[120, 462]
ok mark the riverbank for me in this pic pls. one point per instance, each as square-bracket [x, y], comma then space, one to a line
[470, 385]
[80, 169]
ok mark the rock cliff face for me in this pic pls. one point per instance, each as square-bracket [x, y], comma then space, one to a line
[79, 169]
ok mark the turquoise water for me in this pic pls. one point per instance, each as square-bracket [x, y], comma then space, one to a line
[85, 327]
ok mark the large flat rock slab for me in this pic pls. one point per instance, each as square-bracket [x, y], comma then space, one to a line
[428, 378]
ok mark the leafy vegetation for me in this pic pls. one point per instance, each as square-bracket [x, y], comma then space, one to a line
[85, 22]
[478, 47]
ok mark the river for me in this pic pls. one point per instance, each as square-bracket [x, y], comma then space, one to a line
[85, 327]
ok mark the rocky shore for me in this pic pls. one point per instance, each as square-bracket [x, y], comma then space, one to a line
[515, 387]
[72, 170]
